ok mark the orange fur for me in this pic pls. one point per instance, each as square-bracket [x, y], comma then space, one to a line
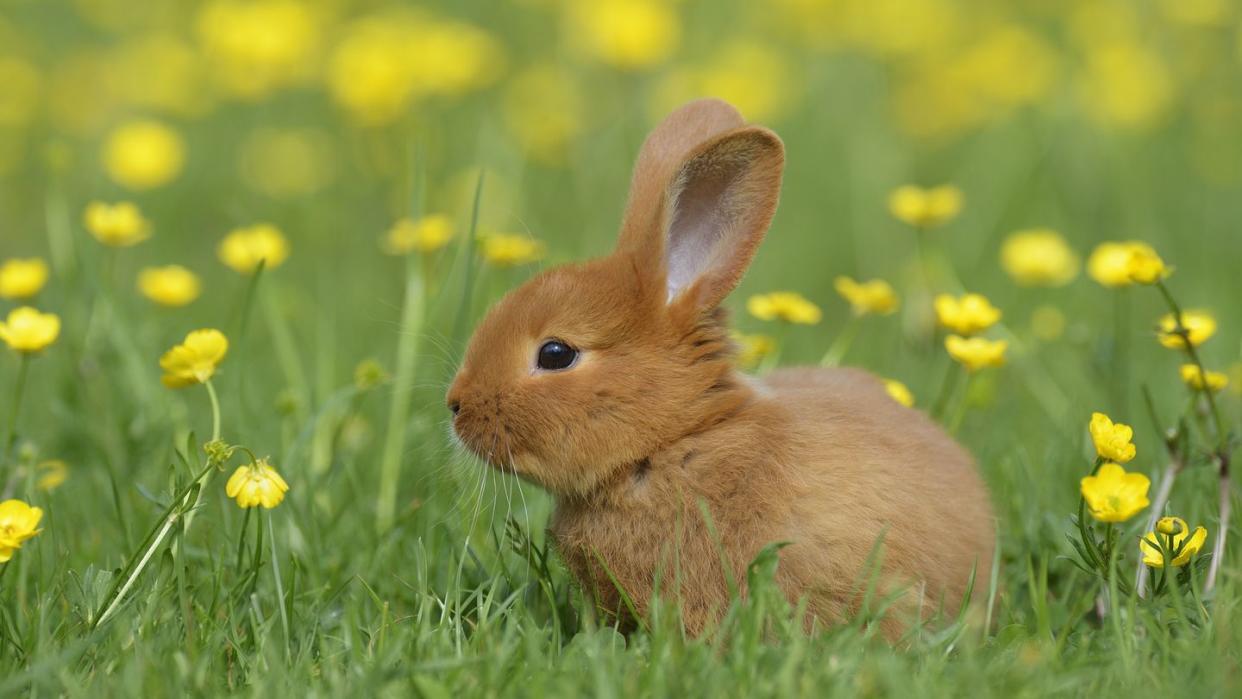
[654, 423]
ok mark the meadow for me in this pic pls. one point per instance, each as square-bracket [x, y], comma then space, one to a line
[337, 191]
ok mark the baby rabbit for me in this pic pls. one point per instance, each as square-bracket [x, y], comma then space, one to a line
[612, 384]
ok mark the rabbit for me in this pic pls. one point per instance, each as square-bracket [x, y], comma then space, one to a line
[612, 385]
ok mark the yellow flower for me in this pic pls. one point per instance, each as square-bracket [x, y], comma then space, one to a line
[925, 208]
[428, 234]
[245, 248]
[256, 484]
[787, 306]
[1113, 495]
[117, 225]
[1039, 257]
[1172, 531]
[257, 47]
[753, 349]
[195, 360]
[173, 286]
[1145, 266]
[966, 315]
[1113, 442]
[510, 250]
[1199, 327]
[22, 278]
[627, 34]
[143, 155]
[976, 353]
[52, 474]
[1215, 380]
[899, 392]
[19, 523]
[874, 296]
[1111, 264]
[29, 331]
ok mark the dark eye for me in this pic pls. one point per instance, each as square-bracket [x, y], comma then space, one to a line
[556, 355]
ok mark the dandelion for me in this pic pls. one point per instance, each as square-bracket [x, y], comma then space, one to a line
[787, 306]
[1112, 440]
[1113, 495]
[19, 523]
[256, 484]
[143, 155]
[1110, 264]
[626, 34]
[899, 392]
[118, 225]
[28, 331]
[1039, 257]
[1196, 328]
[245, 248]
[966, 315]
[1144, 266]
[22, 278]
[976, 353]
[173, 286]
[1172, 536]
[873, 296]
[510, 250]
[195, 360]
[426, 235]
[1201, 380]
[925, 208]
[753, 349]
[51, 475]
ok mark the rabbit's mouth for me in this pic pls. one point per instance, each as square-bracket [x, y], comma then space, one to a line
[490, 442]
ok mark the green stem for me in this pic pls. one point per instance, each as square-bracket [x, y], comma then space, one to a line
[215, 410]
[960, 412]
[412, 313]
[946, 389]
[19, 391]
[280, 588]
[841, 345]
[1221, 434]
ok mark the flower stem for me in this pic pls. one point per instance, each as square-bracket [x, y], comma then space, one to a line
[1157, 507]
[1218, 548]
[946, 390]
[215, 410]
[280, 588]
[19, 391]
[412, 313]
[960, 412]
[841, 345]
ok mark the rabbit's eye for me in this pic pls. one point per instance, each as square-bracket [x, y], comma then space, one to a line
[556, 355]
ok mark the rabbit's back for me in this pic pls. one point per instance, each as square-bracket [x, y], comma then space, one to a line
[864, 467]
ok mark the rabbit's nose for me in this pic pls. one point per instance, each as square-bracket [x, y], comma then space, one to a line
[455, 406]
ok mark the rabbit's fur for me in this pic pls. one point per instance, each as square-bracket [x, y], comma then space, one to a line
[653, 425]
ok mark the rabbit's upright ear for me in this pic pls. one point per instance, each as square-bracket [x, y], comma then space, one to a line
[704, 192]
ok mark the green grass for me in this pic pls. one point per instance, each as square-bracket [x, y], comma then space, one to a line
[406, 567]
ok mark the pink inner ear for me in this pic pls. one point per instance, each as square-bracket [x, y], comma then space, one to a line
[701, 234]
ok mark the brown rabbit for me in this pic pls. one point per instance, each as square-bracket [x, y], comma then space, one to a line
[612, 384]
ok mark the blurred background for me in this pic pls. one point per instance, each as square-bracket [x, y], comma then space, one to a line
[1100, 119]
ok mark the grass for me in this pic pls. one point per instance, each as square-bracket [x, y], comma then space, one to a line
[407, 568]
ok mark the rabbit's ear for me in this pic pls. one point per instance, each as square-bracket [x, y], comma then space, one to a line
[704, 191]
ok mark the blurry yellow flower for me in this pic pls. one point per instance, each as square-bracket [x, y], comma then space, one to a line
[19, 523]
[245, 248]
[787, 306]
[286, 163]
[1174, 532]
[1047, 323]
[874, 296]
[118, 225]
[1203, 13]
[19, 100]
[753, 349]
[1113, 441]
[1145, 266]
[976, 353]
[426, 235]
[159, 71]
[173, 286]
[925, 208]
[195, 360]
[22, 278]
[626, 34]
[52, 474]
[257, 46]
[1039, 257]
[543, 109]
[899, 392]
[29, 331]
[966, 315]
[752, 76]
[143, 155]
[1199, 327]
[510, 250]
[257, 484]
[453, 58]
[1200, 380]
[1113, 495]
[1110, 264]
[1125, 85]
